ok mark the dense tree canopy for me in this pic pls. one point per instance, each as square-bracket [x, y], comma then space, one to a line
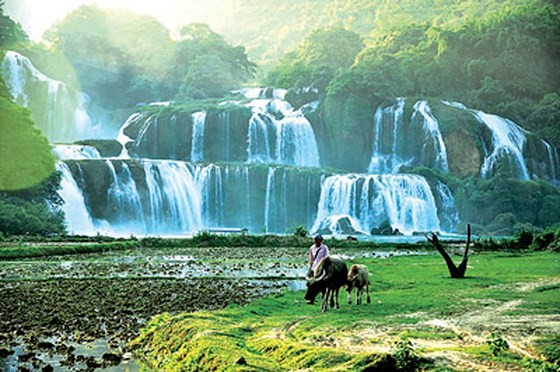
[119, 57]
[319, 57]
[207, 65]
[10, 31]
[123, 59]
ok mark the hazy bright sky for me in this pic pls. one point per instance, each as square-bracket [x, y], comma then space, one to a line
[38, 15]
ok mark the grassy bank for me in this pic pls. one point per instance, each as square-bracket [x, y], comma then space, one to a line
[418, 317]
[33, 250]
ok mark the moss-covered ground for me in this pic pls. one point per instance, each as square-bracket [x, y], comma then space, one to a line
[503, 316]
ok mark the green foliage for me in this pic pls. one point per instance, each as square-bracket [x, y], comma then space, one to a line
[496, 344]
[500, 204]
[536, 365]
[28, 181]
[122, 59]
[404, 355]
[25, 153]
[548, 239]
[11, 33]
[299, 230]
[119, 57]
[319, 57]
[549, 347]
[33, 210]
[15, 253]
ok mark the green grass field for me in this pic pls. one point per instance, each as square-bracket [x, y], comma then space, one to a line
[503, 316]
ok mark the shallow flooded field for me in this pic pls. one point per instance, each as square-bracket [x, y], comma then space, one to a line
[77, 312]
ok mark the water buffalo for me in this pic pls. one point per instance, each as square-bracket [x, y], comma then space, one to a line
[358, 277]
[329, 276]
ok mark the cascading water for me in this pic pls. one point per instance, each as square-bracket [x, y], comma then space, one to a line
[153, 181]
[386, 126]
[270, 200]
[59, 111]
[260, 129]
[76, 215]
[508, 140]
[164, 198]
[274, 121]
[554, 161]
[122, 138]
[404, 201]
[447, 212]
[398, 142]
[170, 197]
[210, 180]
[197, 147]
[69, 152]
[513, 151]
[433, 135]
[182, 197]
[123, 196]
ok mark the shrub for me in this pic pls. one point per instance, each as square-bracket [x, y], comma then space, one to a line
[496, 344]
[405, 358]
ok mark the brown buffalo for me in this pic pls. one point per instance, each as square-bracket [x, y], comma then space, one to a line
[329, 276]
[358, 277]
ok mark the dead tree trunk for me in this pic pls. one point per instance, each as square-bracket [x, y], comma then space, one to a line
[457, 272]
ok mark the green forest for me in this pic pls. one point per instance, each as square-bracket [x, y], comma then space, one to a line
[500, 57]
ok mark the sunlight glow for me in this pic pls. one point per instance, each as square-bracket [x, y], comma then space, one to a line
[36, 16]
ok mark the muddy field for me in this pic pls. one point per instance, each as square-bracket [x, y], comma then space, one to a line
[78, 312]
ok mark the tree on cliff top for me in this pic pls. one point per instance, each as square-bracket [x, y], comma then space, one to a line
[207, 65]
[320, 56]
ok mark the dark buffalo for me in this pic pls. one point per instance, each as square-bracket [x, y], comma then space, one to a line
[358, 277]
[329, 276]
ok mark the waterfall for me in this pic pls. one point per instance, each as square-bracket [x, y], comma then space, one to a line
[275, 133]
[146, 125]
[432, 132]
[57, 109]
[156, 217]
[123, 139]
[295, 142]
[270, 201]
[274, 121]
[76, 215]
[123, 196]
[182, 197]
[260, 128]
[405, 201]
[506, 152]
[212, 190]
[447, 212]
[553, 162]
[226, 119]
[508, 140]
[386, 133]
[262, 93]
[197, 148]
[78, 152]
[397, 142]
[16, 71]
